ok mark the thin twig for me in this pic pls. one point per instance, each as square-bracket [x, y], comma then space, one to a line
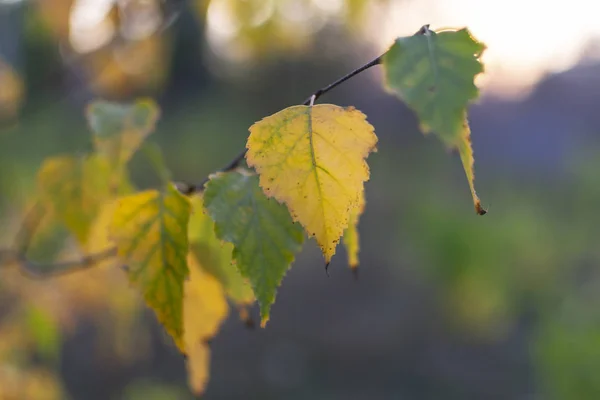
[191, 189]
[343, 79]
[37, 270]
[31, 223]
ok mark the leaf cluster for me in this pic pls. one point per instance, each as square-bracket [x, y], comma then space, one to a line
[191, 249]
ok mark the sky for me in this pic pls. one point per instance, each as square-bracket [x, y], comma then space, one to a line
[525, 39]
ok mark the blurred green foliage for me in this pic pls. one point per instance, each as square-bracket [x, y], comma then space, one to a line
[531, 264]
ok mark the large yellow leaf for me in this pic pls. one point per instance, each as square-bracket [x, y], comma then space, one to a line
[312, 158]
[205, 308]
[75, 188]
[150, 231]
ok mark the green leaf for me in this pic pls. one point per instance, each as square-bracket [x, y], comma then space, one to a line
[434, 74]
[150, 231]
[75, 188]
[214, 255]
[120, 129]
[261, 230]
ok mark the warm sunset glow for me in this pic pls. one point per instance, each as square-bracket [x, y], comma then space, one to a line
[525, 38]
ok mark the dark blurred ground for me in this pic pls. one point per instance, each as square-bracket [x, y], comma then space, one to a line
[448, 304]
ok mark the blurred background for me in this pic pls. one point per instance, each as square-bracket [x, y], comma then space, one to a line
[448, 304]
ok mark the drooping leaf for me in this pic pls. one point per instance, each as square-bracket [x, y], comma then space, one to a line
[466, 156]
[205, 308]
[313, 160]
[351, 235]
[434, 74]
[264, 237]
[150, 231]
[120, 129]
[214, 255]
[75, 188]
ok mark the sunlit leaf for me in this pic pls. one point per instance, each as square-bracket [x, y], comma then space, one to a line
[261, 230]
[215, 255]
[120, 129]
[150, 230]
[313, 160]
[205, 308]
[75, 188]
[351, 236]
[434, 74]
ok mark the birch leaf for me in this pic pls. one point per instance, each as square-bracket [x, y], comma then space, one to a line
[312, 158]
[434, 73]
[150, 231]
[264, 237]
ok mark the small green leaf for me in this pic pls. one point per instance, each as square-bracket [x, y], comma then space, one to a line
[75, 188]
[214, 255]
[150, 231]
[434, 74]
[120, 129]
[261, 230]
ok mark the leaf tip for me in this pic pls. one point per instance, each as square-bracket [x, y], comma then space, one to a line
[479, 209]
[246, 318]
[354, 271]
[264, 320]
[327, 268]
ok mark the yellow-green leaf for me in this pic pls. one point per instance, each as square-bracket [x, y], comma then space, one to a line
[434, 73]
[120, 129]
[150, 231]
[205, 308]
[352, 237]
[214, 255]
[313, 160]
[75, 188]
[264, 237]
[466, 156]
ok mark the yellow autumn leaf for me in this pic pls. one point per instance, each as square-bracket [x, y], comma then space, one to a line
[351, 236]
[75, 188]
[312, 158]
[204, 308]
[150, 231]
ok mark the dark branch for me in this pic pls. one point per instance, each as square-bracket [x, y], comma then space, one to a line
[37, 270]
[191, 189]
[343, 79]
